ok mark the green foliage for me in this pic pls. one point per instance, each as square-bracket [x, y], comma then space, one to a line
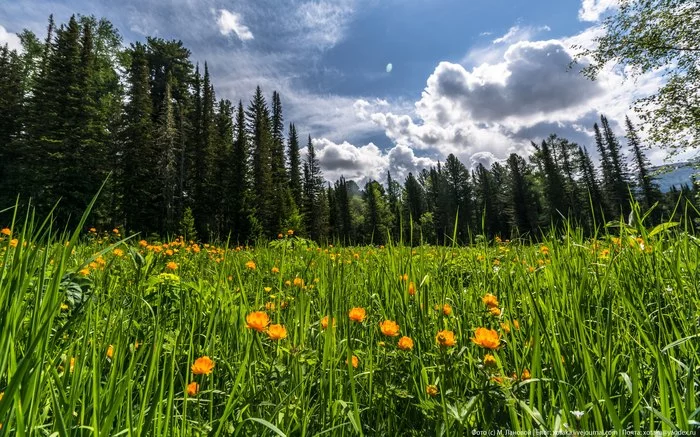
[649, 35]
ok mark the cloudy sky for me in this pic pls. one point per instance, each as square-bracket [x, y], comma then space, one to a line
[388, 84]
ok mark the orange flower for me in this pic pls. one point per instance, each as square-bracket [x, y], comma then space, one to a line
[405, 343]
[490, 300]
[275, 270]
[431, 390]
[14, 242]
[525, 375]
[357, 314]
[192, 389]
[389, 328]
[324, 322]
[446, 309]
[110, 351]
[404, 277]
[290, 232]
[412, 289]
[487, 338]
[270, 306]
[489, 360]
[298, 282]
[250, 265]
[355, 361]
[279, 235]
[72, 366]
[516, 324]
[277, 332]
[202, 366]
[172, 265]
[446, 338]
[506, 327]
[495, 311]
[118, 252]
[6, 231]
[257, 320]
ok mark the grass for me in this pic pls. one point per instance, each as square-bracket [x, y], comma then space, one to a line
[595, 334]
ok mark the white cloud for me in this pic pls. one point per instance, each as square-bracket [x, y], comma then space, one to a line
[232, 22]
[368, 162]
[518, 33]
[9, 38]
[324, 23]
[592, 10]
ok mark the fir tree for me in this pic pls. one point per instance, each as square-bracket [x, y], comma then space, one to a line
[649, 190]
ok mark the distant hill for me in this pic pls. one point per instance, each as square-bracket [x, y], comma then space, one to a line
[677, 175]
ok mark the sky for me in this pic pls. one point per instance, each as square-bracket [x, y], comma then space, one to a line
[389, 85]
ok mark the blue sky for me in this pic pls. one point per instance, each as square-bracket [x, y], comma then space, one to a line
[480, 79]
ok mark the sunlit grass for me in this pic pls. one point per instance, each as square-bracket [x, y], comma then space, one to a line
[105, 336]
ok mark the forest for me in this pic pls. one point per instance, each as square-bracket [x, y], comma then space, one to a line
[80, 108]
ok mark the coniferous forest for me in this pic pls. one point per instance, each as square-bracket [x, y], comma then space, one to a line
[78, 107]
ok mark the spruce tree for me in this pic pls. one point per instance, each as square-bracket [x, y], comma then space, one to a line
[649, 190]
[294, 161]
[313, 194]
[240, 193]
[262, 143]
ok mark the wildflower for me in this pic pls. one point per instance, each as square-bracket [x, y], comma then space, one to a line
[544, 250]
[357, 314]
[412, 289]
[71, 366]
[431, 390]
[290, 232]
[172, 265]
[110, 351]
[446, 309]
[64, 307]
[495, 311]
[202, 366]
[275, 270]
[267, 289]
[6, 231]
[277, 332]
[525, 375]
[516, 324]
[85, 271]
[489, 360]
[250, 265]
[578, 414]
[257, 320]
[288, 283]
[298, 282]
[324, 322]
[405, 343]
[381, 344]
[270, 306]
[118, 252]
[143, 243]
[136, 344]
[279, 235]
[389, 328]
[487, 338]
[490, 300]
[355, 361]
[497, 379]
[446, 338]
[506, 327]
[192, 389]
[403, 277]
[14, 242]
[115, 231]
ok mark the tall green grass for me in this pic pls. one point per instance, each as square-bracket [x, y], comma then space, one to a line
[608, 332]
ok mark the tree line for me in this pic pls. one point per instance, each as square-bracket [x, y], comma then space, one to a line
[79, 106]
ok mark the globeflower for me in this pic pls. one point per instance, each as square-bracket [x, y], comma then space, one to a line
[487, 338]
[257, 320]
[431, 390]
[446, 309]
[412, 289]
[446, 338]
[202, 366]
[490, 300]
[489, 360]
[110, 352]
[250, 265]
[355, 361]
[6, 231]
[277, 332]
[389, 328]
[172, 265]
[192, 389]
[357, 314]
[324, 322]
[405, 343]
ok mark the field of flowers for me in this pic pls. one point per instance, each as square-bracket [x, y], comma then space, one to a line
[102, 334]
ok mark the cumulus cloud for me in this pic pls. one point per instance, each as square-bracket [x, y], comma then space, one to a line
[9, 38]
[232, 22]
[592, 10]
[368, 162]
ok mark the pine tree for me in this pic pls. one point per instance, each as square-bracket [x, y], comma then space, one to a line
[166, 145]
[459, 192]
[522, 205]
[294, 161]
[377, 213]
[593, 197]
[139, 193]
[649, 190]
[239, 198]
[11, 102]
[619, 183]
[342, 199]
[313, 193]
[393, 190]
[280, 182]
[262, 143]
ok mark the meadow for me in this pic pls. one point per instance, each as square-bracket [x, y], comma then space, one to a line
[106, 334]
